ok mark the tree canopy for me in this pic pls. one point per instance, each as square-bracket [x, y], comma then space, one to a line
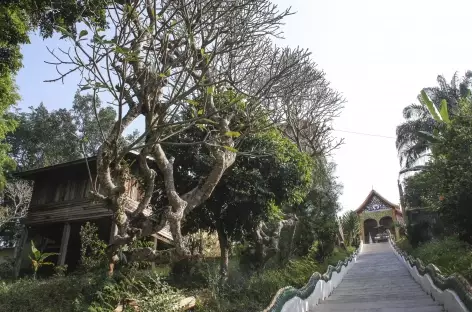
[17, 20]
[213, 60]
[411, 142]
[442, 185]
[45, 138]
[257, 189]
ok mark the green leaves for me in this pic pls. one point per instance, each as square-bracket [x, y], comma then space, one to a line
[233, 134]
[83, 33]
[35, 251]
[230, 148]
[193, 102]
[443, 112]
[65, 32]
[430, 106]
[38, 258]
[210, 90]
[443, 115]
[431, 138]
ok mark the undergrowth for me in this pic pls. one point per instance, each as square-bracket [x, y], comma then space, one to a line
[254, 292]
[449, 254]
[89, 292]
[96, 292]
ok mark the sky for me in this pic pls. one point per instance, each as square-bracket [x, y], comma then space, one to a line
[378, 54]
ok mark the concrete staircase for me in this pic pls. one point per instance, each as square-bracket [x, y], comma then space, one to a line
[378, 282]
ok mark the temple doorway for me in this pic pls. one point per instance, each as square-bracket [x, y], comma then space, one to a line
[370, 230]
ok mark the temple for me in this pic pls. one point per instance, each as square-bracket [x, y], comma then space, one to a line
[376, 215]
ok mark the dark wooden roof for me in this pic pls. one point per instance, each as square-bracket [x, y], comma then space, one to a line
[375, 193]
[29, 174]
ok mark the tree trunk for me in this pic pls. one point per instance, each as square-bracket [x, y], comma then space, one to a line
[224, 253]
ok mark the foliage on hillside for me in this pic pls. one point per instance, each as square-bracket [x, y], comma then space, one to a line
[95, 292]
[443, 184]
[440, 191]
[449, 254]
[17, 20]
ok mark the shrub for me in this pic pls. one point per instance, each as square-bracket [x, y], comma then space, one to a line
[47, 295]
[90, 292]
[148, 294]
[6, 268]
[254, 292]
[92, 248]
[449, 254]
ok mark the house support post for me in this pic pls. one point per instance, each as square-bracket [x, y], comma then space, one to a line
[18, 255]
[113, 232]
[153, 265]
[64, 242]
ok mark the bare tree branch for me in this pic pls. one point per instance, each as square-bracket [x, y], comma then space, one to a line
[16, 199]
[182, 64]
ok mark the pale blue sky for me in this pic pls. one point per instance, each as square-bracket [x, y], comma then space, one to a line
[379, 54]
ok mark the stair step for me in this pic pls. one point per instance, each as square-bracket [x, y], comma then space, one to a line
[378, 282]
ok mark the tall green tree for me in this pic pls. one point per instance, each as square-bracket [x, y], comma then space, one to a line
[13, 33]
[411, 142]
[17, 20]
[445, 183]
[45, 138]
[258, 188]
[350, 226]
[451, 173]
[318, 212]
[93, 121]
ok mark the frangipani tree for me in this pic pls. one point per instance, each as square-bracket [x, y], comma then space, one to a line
[159, 59]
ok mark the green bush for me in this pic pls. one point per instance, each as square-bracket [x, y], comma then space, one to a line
[92, 248]
[150, 294]
[449, 254]
[419, 233]
[96, 292]
[88, 292]
[47, 295]
[6, 269]
[254, 292]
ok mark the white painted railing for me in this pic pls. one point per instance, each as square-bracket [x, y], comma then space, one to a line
[453, 292]
[318, 288]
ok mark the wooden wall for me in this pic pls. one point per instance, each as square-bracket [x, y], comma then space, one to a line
[63, 194]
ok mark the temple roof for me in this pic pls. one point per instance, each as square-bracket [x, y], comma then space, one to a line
[381, 198]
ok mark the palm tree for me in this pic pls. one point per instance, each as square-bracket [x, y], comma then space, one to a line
[350, 226]
[411, 144]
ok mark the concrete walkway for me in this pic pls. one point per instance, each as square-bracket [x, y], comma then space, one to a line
[378, 282]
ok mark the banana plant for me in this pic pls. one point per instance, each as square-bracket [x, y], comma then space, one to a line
[38, 258]
[440, 116]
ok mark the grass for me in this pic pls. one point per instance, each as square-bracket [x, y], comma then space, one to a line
[449, 254]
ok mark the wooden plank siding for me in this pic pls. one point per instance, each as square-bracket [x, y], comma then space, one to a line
[71, 210]
[61, 193]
